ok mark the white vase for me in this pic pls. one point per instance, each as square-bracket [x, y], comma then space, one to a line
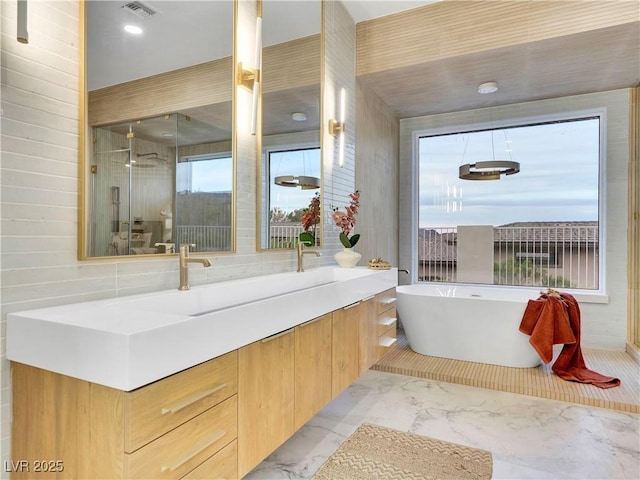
[347, 258]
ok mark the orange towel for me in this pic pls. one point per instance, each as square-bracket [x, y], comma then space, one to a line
[553, 319]
[546, 320]
[570, 364]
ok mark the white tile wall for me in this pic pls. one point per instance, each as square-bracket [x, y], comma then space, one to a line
[603, 325]
[38, 173]
[377, 177]
[39, 178]
[339, 72]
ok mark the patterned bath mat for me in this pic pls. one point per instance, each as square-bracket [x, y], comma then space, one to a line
[376, 453]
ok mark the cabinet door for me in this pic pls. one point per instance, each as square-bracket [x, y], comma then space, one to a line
[345, 366]
[368, 334]
[265, 398]
[313, 368]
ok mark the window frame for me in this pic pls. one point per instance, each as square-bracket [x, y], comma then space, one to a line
[516, 121]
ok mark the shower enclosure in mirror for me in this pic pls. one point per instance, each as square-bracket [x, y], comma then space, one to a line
[155, 185]
[159, 168]
[290, 166]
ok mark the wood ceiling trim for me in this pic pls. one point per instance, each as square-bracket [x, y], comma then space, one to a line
[549, 68]
[459, 27]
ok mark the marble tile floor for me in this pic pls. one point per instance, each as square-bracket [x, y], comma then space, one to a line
[529, 437]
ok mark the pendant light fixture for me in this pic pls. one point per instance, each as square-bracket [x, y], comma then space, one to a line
[302, 181]
[488, 170]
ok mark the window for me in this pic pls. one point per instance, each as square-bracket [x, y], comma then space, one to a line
[204, 202]
[205, 173]
[539, 227]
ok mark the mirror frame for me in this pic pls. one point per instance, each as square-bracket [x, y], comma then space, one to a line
[84, 148]
[260, 188]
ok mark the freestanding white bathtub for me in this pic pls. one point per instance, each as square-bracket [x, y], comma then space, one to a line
[476, 324]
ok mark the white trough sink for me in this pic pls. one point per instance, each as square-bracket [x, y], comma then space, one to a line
[128, 342]
[210, 298]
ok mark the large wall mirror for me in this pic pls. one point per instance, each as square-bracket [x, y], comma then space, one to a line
[290, 166]
[159, 162]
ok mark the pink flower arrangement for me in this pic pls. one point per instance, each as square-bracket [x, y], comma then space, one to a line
[346, 220]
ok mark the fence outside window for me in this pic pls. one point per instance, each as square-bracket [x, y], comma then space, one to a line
[285, 235]
[540, 254]
[206, 238]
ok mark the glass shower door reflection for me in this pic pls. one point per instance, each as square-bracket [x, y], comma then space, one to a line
[133, 174]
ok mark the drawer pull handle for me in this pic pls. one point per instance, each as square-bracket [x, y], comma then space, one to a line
[388, 301]
[314, 320]
[277, 335]
[217, 435]
[368, 298]
[176, 407]
[388, 321]
[351, 306]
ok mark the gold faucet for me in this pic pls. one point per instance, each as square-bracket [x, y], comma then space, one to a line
[185, 260]
[302, 252]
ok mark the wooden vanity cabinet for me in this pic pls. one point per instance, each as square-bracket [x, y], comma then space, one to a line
[164, 430]
[312, 368]
[345, 366]
[218, 419]
[266, 398]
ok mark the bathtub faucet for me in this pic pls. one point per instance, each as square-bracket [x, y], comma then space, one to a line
[185, 260]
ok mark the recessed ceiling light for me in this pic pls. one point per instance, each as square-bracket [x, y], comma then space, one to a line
[488, 87]
[135, 30]
[298, 116]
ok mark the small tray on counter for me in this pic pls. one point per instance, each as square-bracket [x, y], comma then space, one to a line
[379, 264]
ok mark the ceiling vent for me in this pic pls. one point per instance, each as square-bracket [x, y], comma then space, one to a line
[139, 9]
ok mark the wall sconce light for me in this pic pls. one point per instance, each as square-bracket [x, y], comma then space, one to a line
[250, 77]
[336, 128]
[247, 77]
[23, 21]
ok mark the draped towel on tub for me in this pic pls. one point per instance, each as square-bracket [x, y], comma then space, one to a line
[554, 319]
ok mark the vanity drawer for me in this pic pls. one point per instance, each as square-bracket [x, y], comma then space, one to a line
[386, 320]
[223, 465]
[179, 451]
[156, 408]
[385, 300]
